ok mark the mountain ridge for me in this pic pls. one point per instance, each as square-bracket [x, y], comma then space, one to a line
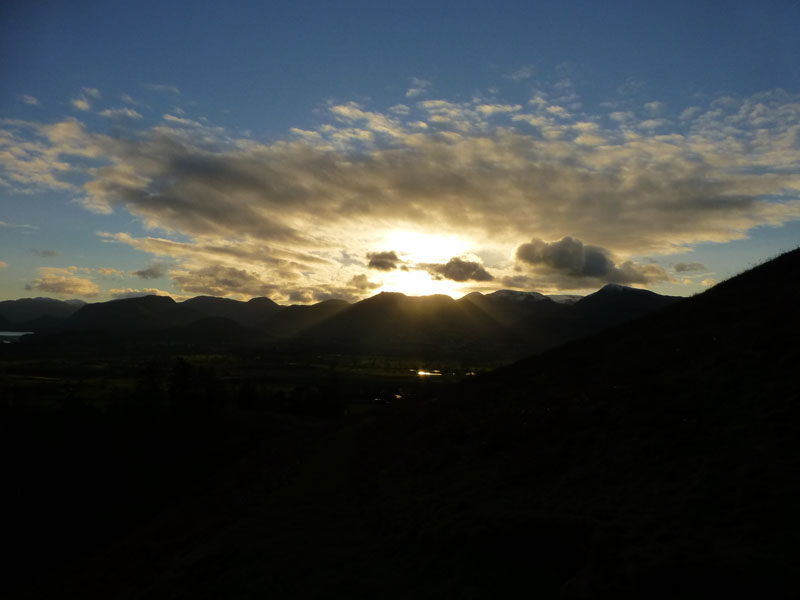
[510, 323]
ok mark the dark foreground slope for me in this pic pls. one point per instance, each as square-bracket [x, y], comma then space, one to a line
[654, 460]
[657, 459]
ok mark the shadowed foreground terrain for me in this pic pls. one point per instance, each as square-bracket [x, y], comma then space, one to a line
[657, 459]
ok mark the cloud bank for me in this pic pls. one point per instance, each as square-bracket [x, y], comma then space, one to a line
[255, 217]
[571, 264]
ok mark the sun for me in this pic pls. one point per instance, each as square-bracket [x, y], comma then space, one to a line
[417, 249]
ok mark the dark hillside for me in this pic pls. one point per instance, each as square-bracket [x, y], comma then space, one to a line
[653, 460]
[147, 312]
[291, 320]
[249, 313]
[391, 321]
[28, 309]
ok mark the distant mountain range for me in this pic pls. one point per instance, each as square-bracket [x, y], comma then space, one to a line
[507, 322]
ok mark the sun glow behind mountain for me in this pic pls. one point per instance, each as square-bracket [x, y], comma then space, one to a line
[419, 283]
[416, 249]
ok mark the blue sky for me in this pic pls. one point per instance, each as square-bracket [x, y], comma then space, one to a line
[308, 150]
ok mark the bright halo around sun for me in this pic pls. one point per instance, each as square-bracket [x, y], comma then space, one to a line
[417, 249]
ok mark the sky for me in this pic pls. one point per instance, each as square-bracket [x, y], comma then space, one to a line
[313, 150]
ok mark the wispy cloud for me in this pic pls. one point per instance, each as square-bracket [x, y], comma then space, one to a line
[418, 87]
[520, 74]
[28, 99]
[18, 226]
[44, 253]
[120, 113]
[158, 87]
[83, 102]
[683, 267]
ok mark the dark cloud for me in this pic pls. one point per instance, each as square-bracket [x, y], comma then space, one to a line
[383, 261]
[360, 282]
[520, 282]
[44, 253]
[300, 296]
[151, 272]
[688, 267]
[569, 258]
[459, 269]
[356, 289]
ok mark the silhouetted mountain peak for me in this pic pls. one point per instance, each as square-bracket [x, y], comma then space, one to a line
[151, 301]
[616, 292]
[262, 301]
[517, 296]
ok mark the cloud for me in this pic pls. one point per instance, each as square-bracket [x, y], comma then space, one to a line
[558, 111]
[110, 271]
[44, 253]
[352, 292]
[418, 87]
[520, 74]
[157, 87]
[493, 109]
[31, 100]
[458, 269]
[683, 267]
[63, 282]
[285, 210]
[361, 282]
[708, 282]
[219, 280]
[120, 113]
[151, 272]
[83, 102]
[18, 225]
[518, 281]
[3, 265]
[383, 261]
[301, 296]
[569, 259]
